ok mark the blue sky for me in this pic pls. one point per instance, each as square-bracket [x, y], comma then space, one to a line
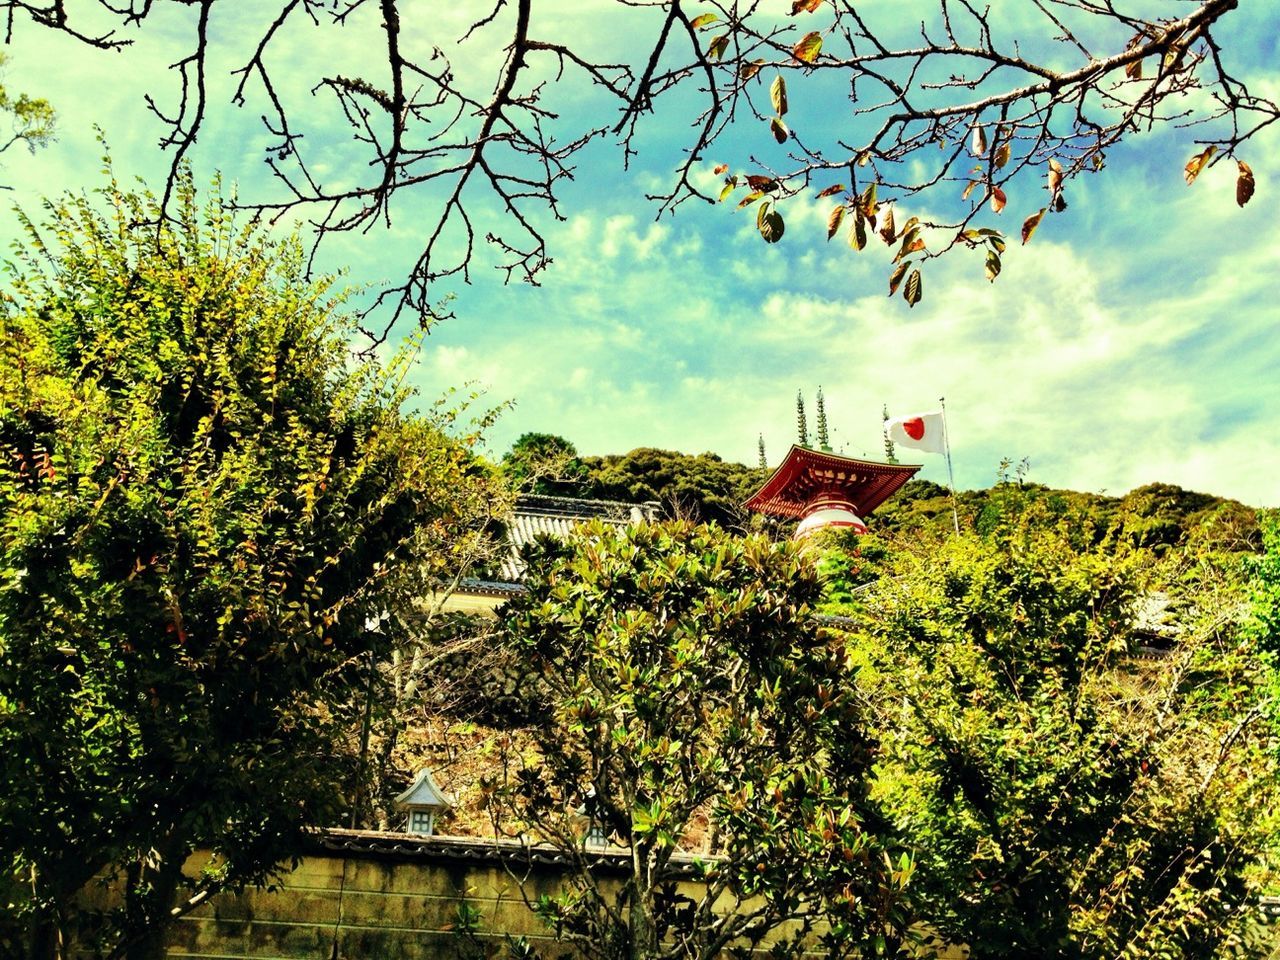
[1133, 341]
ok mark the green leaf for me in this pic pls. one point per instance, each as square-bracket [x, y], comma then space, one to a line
[717, 47]
[778, 94]
[770, 224]
[993, 265]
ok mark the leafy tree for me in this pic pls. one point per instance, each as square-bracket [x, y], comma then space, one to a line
[32, 117]
[204, 498]
[689, 693]
[545, 463]
[948, 110]
[700, 487]
[1263, 627]
[1064, 799]
[1157, 515]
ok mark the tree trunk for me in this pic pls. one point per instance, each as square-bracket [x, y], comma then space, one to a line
[150, 900]
[48, 935]
[644, 930]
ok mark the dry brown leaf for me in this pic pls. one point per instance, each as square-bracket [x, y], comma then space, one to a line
[1197, 164]
[1244, 183]
[887, 233]
[914, 288]
[1029, 225]
[895, 278]
[834, 219]
[979, 145]
[807, 50]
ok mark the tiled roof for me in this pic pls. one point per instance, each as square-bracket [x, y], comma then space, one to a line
[377, 845]
[557, 517]
[804, 472]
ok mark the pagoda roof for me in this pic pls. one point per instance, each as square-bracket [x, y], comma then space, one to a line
[805, 472]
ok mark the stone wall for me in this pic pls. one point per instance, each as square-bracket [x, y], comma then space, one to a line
[376, 896]
[381, 897]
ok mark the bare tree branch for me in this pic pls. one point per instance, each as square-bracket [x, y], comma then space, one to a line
[493, 164]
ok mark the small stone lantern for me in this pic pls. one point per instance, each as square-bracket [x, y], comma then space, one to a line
[425, 801]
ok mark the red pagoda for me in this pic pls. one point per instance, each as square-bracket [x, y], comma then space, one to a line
[823, 489]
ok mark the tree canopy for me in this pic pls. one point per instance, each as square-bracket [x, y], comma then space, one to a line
[1065, 796]
[545, 463]
[688, 692]
[704, 487]
[204, 500]
[32, 118]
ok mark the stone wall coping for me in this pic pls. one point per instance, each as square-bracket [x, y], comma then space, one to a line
[404, 847]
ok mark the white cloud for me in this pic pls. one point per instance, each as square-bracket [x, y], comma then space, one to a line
[1132, 341]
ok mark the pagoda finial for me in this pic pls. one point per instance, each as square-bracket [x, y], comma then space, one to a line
[760, 443]
[888, 444]
[802, 425]
[824, 441]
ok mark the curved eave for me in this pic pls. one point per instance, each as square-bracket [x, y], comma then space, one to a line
[873, 482]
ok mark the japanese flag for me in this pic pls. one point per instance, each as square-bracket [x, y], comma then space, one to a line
[924, 431]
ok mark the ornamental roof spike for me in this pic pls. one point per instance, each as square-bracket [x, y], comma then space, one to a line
[888, 444]
[824, 441]
[802, 425]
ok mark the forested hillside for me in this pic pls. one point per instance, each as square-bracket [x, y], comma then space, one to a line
[705, 487]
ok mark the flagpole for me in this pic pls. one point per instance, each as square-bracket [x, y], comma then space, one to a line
[951, 476]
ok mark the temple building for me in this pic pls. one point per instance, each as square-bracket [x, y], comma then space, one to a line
[822, 489]
[813, 484]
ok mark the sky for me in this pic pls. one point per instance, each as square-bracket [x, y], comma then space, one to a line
[1132, 342]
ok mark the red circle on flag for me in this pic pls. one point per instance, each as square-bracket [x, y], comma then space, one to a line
[914, 428]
